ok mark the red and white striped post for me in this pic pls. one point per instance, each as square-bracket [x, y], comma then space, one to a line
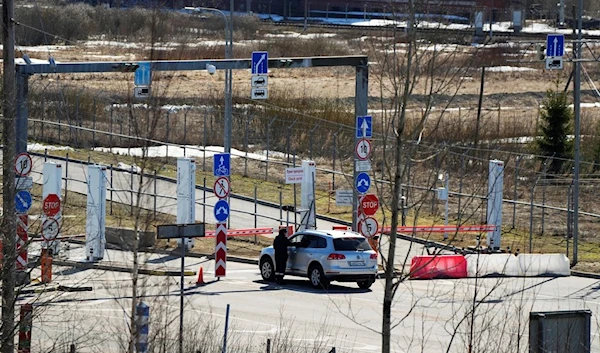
[221, 250]
[22, 238]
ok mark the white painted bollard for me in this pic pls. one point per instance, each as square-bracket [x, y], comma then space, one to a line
[307, 199]
[494, 202]
[95, 224]
[186, 195]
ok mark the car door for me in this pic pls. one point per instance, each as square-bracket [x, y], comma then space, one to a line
[308, 251]
[293, 263]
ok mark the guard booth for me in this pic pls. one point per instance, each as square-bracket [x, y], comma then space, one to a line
[560, 331]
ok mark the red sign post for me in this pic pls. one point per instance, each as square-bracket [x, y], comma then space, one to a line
[51, 205]
[369, 204]
[22, 237]
[221, 249]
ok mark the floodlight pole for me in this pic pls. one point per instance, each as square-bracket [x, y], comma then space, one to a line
[228, 75]
[577, 111]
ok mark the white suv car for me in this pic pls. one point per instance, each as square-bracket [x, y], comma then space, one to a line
[324, 256]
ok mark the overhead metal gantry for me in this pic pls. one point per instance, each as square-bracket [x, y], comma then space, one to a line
[25, 70]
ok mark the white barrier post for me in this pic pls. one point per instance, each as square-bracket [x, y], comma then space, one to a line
[494, 202]
[51, 225]
[307, 200]
[186, 195]
[95, 224]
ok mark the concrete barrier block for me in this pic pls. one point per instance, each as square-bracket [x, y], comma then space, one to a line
[482, 265]
[532, 265]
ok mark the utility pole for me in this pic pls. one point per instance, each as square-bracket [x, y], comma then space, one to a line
[577, 111]
[9, 226]
[228, 84]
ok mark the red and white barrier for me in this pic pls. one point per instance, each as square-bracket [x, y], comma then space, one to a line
[243, 232]
[441, 229]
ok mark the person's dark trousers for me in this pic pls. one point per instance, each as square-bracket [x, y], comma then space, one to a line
[280, 264]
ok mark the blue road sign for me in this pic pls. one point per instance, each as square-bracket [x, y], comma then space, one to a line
[364, 126]
[260, 63]
[143, 74]
[363, 182]
[555, 45]
[221, 164]
[23, 201]
[221, 210]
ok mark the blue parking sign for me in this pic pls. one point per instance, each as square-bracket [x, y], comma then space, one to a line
[221, 164]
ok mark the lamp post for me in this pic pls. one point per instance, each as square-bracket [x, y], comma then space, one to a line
[228, 75]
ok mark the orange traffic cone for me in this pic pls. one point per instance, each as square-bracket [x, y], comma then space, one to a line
[200, 280]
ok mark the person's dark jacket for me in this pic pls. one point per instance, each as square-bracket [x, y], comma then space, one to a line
[281, 243]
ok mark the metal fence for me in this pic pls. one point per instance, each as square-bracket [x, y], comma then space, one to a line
[537, 205]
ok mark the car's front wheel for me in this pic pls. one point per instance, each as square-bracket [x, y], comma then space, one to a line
[267, 270]
[317, 277]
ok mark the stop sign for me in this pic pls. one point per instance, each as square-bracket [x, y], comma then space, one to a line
[369, 204]
[51, 205]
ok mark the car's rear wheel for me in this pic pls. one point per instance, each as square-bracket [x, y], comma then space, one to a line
[365, 284]
[267, 270]
[317, 277]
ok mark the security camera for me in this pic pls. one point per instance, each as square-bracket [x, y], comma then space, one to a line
[26, 58]
[211, 69]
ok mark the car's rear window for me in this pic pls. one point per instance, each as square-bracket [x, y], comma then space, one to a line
[351, 244]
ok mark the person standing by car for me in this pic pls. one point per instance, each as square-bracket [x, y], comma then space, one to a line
[280, 245]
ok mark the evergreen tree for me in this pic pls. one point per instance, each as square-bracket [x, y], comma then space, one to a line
[556, 125]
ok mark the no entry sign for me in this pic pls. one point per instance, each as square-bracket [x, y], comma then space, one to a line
[51, 205]
[369, 204]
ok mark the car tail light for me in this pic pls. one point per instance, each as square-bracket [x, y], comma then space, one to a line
[335, 256]
[374, 256]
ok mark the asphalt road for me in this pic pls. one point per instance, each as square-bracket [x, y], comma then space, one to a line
[429, 316]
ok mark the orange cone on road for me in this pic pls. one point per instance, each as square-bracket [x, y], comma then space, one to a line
[200, 277]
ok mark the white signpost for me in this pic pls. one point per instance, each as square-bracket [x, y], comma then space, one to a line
[186, 195]
[95, 224]
[494, 202]
[52, 177]
[307, 205]
[368, 227]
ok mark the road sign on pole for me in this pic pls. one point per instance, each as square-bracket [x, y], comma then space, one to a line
[221, 164]
[369, 204]
[23, 201]
[364, 126]
[368, 227]
[363, 182]
[221, 211]
[51, 205]
[221, 187]
[363, 149]
[260, 63]
[555, 45]
[143, 74]
[23, 164]
[50, 228]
